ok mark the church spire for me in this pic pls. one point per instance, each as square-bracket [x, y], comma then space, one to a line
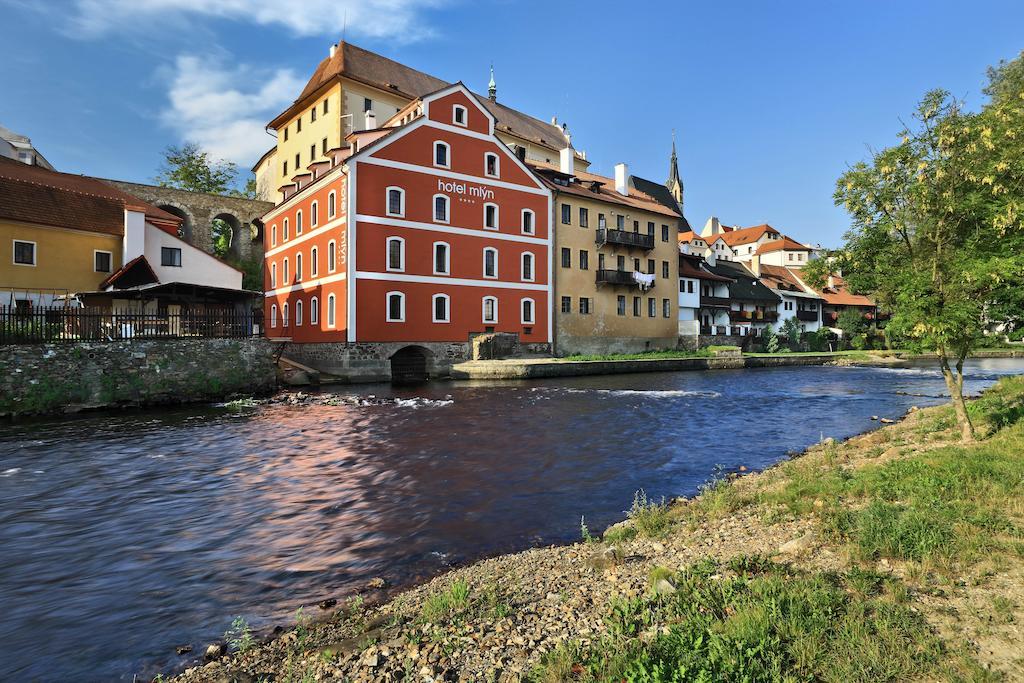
[492, 87]
[674, 182]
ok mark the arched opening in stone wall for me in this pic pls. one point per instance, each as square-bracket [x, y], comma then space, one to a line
[409, 365]
[185, 230]
[226, 236]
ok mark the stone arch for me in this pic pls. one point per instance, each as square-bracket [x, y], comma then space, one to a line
[236, 236]
[411, 365]
[185, 232]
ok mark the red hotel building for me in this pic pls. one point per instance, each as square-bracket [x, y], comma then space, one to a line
[421, 234]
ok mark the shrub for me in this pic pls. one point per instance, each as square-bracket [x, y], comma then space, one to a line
[650, 518]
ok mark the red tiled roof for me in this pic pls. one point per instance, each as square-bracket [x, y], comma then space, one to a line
[33, 194]
[355, 63]
[779, 277]
[689, 267]
[738, 236]
[604, 192]
[839, 295]
[784, 243]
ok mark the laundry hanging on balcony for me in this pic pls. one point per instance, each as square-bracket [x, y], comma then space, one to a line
[645, 280]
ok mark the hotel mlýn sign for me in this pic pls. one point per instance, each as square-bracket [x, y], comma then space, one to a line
[452, 187]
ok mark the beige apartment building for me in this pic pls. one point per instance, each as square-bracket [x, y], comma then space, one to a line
[615, 261]
[354, 90]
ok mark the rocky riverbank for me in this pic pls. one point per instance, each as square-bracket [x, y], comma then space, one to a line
[907, 542]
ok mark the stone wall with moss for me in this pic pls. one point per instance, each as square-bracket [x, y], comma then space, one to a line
[50, 378]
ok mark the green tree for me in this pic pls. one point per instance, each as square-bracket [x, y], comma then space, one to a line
[770, 339]
[792, 332]
[851, 323]
[190, 168]
[220, 231]
[936, 222]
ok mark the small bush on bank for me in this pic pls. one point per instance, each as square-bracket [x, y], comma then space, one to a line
[650, 518]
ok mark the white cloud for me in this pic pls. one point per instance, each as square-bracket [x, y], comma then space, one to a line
[395, 19]
[225, 110]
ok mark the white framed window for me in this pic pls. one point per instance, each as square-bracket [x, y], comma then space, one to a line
[490, 309]
[330, 310]
[442, 258]
[23, 253]
[527, 308]
[331, 251]
[273, 235]
[490, 262]
[395, 202]
[396, 254]
[285, 271]
[332, 204]
[395, 307]
[440, 306]
[273, 315]
[314, 214]
[314, 265]
[490, 216]
[284, 230]
[442, 209]
[314, 311]
[273, 275]
[284, 315]
[298, 267]
[298, 312]
[298, 222]
[442, 154]
[102, 261]
[529, 222]
[460, 115]
[527, 262]
[491, 165]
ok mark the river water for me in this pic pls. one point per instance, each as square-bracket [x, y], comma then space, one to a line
[124, 535]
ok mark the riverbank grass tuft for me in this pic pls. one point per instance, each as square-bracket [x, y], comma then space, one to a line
[768, 622]
[447, 603]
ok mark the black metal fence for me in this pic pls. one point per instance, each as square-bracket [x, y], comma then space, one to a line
[37, 325]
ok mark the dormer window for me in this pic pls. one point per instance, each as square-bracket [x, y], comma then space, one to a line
[442, 154]
[459, 115]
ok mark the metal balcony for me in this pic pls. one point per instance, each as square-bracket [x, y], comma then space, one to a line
[607, 276]
[624, 239]
[807, 316]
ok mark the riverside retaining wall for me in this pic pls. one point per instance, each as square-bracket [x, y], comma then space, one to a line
[50, 378]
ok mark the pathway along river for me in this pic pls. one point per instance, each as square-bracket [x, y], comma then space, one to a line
[125, 535]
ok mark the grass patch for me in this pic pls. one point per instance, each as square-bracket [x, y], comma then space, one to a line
[768, 623]
[447, 603]
[650, 518]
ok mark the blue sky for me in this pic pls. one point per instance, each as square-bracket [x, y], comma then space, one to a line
[770, 100]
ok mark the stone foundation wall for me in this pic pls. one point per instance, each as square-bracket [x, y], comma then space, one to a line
[571, 346]
[49, 378]
[371, 361]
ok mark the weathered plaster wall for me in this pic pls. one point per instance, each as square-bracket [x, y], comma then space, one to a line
[49, 378]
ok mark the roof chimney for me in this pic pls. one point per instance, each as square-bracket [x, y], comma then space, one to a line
[712, 227]
[565, 160]
[755, 265]
[371, 120]
[333, 49]
[622, 179]
[831, 284]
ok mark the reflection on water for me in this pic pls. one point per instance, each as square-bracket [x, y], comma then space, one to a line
[126, 535]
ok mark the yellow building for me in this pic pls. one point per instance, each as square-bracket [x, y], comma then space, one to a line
[64, 234]
[615, 261]
[353, 90]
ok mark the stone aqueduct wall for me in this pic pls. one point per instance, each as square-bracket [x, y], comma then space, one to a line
[198, 210]
[50, 378]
